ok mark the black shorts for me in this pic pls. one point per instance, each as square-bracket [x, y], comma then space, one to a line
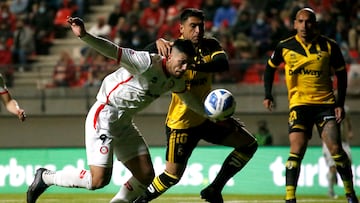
[303, 118]
[181, 142]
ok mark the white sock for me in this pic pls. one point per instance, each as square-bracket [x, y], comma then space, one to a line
[129, 191]
[79, 178]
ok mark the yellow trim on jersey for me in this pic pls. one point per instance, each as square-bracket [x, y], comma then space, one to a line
[271, 64]
[216, 53]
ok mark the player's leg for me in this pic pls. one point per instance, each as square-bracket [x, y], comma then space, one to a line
[233, 134]
[184, 140]
[131, 149]
[298, 143]
[99, 157]
[300, 125]
[331, 175]
[331, 137]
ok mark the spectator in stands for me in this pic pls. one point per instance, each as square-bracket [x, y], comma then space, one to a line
[327, 25]
[341, 30]
[80, 7]
[260, 34]
[226, 12]
[18, 7]
[152, 18]
[182, 4]
[354, 36]
[7, 16]
[101, 28]
[98, 69]
[243, 24]
[135, 13]
[244, 55]
[126, 5]
[263, 135]
[209, 7]
[23, 46]
[138, 36]
[42, 22]
[170, 29]
[120, 33]
[64, 74]
[114, 15]
[11, 104]
[6, 68]
[66, 9]
[6, 34]
[278, 31]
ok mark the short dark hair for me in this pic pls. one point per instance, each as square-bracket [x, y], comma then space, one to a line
[185, 46]
[310, 11]
[191, 12]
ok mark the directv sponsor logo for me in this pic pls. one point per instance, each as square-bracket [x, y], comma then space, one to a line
[304, 71]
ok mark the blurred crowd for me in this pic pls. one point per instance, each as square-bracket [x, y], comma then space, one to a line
[247, 30]
[28, 28]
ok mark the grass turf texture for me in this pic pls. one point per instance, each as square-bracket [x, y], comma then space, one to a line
[105, 198]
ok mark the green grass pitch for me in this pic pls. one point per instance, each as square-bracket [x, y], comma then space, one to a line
[105, 198]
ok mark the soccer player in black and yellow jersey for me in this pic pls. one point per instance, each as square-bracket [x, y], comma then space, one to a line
[310, 59]
[185, 128]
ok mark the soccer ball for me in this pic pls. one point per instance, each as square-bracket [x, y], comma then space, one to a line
[220, 104]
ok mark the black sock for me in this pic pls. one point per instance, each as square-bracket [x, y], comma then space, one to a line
[343, 166]
[236, 161]
[292, 174]
[160, 184]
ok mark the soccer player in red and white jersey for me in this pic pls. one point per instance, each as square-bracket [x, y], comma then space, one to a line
[11, 104]
[109, 129]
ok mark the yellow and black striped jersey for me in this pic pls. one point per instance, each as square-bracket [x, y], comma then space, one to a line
[198, 83]
[308, 69]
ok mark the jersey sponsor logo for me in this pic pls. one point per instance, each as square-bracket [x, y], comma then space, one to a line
[304, 71]
[104, 149]
[82, 174]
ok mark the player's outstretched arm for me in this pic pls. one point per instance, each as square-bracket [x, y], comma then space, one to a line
[102, 45]
[13, 107]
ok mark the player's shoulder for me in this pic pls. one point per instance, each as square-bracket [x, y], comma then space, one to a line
[288, 41]
[323, 38]
[210, 42]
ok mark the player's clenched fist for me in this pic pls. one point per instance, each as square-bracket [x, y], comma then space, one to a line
[77, 26]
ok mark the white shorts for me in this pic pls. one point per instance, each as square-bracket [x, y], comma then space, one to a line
[109, 132]
[328, 159]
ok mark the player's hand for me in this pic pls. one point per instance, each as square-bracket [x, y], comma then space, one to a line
[77, 26]
[339, 114]
[268, 104]
[21, 115]
[164, 47]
